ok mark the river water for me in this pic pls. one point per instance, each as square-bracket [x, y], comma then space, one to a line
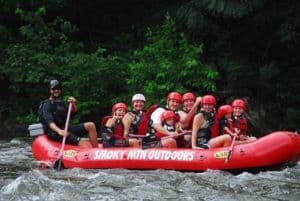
[22, 179]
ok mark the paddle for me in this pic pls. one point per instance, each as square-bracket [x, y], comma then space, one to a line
[136, 136]
[58, 164]
[231, 149]
[152, 141]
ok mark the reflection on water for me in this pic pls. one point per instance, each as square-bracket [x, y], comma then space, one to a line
[21, 179]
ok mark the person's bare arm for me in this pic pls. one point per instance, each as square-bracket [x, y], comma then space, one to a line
[127, 121]
[197, 123]
[72, 100]
[55, 128]
[228, 131]
[185, 119]
[159, 128]
[111, 121]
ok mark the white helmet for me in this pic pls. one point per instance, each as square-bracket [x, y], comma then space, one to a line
[138, 97]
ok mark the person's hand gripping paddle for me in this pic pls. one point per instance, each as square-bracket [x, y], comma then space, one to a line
[231, 149]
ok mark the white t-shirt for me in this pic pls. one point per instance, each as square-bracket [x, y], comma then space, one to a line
[156, 115]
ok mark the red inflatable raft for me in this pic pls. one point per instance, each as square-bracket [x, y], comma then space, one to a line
[273, 149]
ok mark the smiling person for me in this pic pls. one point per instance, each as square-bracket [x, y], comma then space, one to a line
[53, 113]
[205, 132]
[114, 127]
[225, 121]
[190, 106]
[240, 123]
[173, 103]
[136, 121]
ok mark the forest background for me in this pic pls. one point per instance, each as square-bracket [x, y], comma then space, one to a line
[106, 51]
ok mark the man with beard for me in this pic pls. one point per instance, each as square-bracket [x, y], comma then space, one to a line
[53, 113]
[173, 103]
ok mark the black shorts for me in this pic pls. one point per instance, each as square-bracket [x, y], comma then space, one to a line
[203, 137]
[76, 132]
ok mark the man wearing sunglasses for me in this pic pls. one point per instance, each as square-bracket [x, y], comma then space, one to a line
[53, 113]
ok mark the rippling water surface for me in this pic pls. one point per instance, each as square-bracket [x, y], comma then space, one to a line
[22, 179]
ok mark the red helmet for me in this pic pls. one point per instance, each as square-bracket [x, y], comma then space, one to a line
[119, 105]
[239, 103]
[224, 109]
[188, 96]
[174, 96]
[208, 99]
[167, 115]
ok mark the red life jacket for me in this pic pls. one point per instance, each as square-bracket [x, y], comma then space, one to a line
[104, 120]
[118, 130]
[168, 128]
[151, 109]
[229, 124]
[160, 135]
[140, 124]
[215, 128]
[242, 124]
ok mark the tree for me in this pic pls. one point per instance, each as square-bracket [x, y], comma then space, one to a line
[254, 45]
[169, 62]
[46, 51]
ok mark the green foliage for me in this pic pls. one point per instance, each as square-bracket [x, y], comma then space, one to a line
[254, 45]
[96, 80]
[29, 118]
[169, 62]
[247, 49]
[46, 53]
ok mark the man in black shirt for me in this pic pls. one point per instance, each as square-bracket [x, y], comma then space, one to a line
[53, 114]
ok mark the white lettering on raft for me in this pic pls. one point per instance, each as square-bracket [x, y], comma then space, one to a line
[108, 155]
[137, 155]
[171, 155]
[144, 155]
